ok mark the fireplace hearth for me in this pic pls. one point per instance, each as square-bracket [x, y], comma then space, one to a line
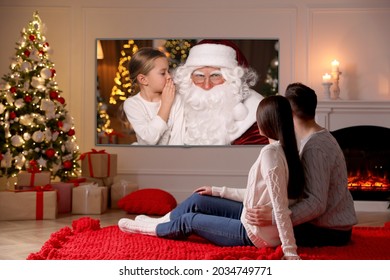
[367, 153]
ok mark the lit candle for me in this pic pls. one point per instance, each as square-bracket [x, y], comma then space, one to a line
[335, 66]
[326, 78]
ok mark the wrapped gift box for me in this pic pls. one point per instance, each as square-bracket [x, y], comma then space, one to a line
[89, 198]
[99, 165]
[106, 182]
[27, 179]
[108, 139]
[64, 196]
[28, 205]
[119, 190]
[7, 183]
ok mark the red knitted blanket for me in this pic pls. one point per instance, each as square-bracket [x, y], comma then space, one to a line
[88, 241]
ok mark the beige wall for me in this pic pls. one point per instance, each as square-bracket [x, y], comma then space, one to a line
[311, 34]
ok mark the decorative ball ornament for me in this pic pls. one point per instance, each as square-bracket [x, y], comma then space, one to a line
[67, 165]
[50, 153]
[26, 136]
[61, 100]
[17, 141]
[20, 160]
[26, 66]
[71, 132]
[46, 73]
[37, 82]
[53, 95]
[38, 136]
[12, 115]
[27, 99]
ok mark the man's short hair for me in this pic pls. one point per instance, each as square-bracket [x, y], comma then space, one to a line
[303, 100]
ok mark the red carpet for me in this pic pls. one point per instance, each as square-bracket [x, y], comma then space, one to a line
[88, 241]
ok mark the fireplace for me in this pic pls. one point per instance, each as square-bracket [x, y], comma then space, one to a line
[367, 152]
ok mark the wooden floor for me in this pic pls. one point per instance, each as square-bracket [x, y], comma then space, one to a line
[20, 238]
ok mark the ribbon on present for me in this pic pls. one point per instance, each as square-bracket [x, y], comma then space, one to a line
[90, 168]
[76, 182]
[33, 170]
[39, 199]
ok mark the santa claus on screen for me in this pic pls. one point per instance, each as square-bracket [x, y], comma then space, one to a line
[219, 105]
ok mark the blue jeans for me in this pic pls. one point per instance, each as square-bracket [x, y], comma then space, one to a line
[213, 218]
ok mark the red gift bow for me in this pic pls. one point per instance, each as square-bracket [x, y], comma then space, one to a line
[33, 169]
[76, 182]
[93, 151]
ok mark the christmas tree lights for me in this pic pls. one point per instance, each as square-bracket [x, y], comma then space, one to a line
[122, 83]
[36, 129]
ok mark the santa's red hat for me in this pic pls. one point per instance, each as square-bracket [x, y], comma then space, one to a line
[216, 53]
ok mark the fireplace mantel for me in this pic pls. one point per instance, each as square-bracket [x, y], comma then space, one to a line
[336, 114]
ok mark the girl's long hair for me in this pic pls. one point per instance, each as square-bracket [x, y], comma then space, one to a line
[274, 118]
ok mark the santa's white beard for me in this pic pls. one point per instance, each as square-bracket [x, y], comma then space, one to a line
[208, 115]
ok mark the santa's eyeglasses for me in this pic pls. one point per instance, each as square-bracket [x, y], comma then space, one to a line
[201, 78]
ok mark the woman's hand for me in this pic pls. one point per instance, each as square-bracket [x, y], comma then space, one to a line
[260, 215]
[205, 190]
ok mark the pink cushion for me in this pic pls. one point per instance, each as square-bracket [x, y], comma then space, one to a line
[148, 201]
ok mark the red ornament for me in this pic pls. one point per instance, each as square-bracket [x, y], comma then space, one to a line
[12, 115]
[60, 124]
[1, 156]
[41, 52]
[13, 89]
[50, 153]
[53, 72]
[71, 132]
[67, 164]
[61, 100]
[53, 95]
[27, 99]
[46, 44]
[31, 37]
[27, 53]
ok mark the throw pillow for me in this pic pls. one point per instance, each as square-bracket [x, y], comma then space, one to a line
[148, 202]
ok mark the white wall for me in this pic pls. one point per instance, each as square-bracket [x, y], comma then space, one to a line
[311, 34]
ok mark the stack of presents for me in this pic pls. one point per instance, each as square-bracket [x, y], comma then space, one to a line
[36, 197]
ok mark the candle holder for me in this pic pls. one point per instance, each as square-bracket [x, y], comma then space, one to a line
[327, 90]
[336, 89]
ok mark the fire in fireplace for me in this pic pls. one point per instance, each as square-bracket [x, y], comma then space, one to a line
[367, 153]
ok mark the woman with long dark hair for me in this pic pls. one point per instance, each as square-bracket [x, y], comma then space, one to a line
[219, 214]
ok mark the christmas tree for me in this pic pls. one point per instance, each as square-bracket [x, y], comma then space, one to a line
[36, 130]
[123, 84]
[178, 50]
[271, 83]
